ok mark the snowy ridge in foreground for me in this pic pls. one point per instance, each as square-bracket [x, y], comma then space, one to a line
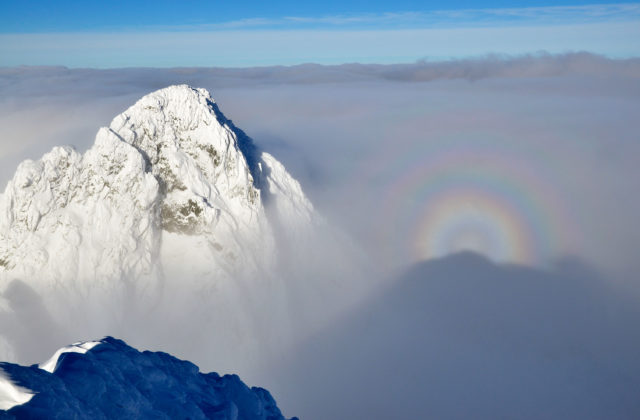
[170, 183]
[112, 380]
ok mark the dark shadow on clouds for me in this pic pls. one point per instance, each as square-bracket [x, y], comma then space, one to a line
[462, 337]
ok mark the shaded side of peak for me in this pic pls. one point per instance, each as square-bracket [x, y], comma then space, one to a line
[251, 152]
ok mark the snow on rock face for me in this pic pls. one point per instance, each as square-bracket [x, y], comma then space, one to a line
[72, 218]
[203, 174]
[171, 183]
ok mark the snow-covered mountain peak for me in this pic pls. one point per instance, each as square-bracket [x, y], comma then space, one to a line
[170, 188]
[193, 154]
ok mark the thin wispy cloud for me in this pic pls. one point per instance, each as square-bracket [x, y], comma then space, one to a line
[393, 37]
[438, 18]
[264, 47]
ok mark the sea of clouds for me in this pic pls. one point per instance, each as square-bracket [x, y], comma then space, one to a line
[530, 164]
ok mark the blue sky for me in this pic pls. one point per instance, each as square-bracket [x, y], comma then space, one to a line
[166, 33]
[71, 16]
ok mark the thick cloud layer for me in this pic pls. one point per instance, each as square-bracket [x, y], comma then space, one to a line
[461, 338]
[523, 160]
